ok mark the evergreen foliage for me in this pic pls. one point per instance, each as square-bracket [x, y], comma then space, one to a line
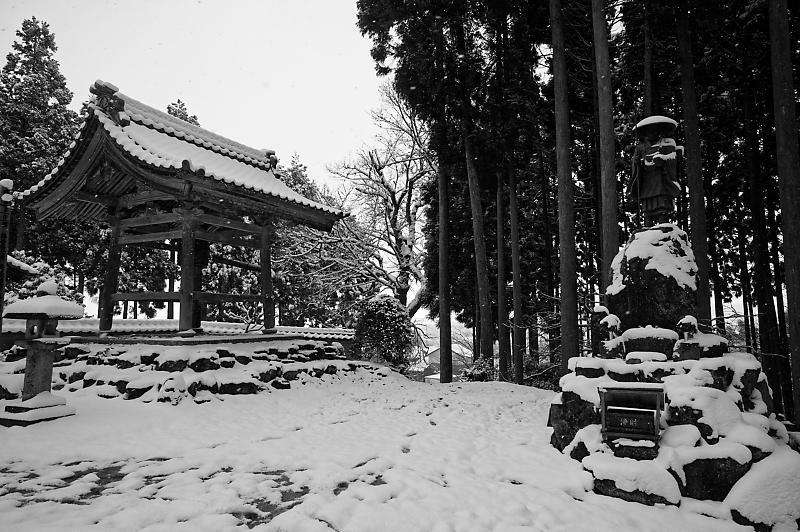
[35, 123]
[384, 332]
[179, 110]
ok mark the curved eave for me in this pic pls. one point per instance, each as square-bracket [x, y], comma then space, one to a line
[251, 201]
[55, 195]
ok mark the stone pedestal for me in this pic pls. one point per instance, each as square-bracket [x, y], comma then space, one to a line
[37, 403]
[42, 407]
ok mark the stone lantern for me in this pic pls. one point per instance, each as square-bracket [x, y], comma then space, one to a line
[42, 341]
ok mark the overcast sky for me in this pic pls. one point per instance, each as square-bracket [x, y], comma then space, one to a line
[290, 75]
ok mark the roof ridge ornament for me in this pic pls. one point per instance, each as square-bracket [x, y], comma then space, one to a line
[107, 100]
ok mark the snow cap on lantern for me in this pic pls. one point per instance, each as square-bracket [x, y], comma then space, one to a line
[43, 311]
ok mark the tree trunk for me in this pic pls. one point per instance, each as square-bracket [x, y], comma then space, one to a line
[503, 347]
[566, 206]
[549, 274]
[401, 294]
[777, 272]
[445, 338]
[608, 176]
[647, 62]
[518, 332]
[481, 264]
[476, 205]
[502, 310]
[719, 307]
[713, 254]
[744, 277]
[533, 342]
[753, 329]
[788, 160]
[694, 174]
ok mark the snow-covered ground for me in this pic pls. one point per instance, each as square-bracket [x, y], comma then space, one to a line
[355, 452]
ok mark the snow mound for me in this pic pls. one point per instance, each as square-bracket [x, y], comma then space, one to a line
[649, 331]
[631, 475]
[680, 436]
[770, 492]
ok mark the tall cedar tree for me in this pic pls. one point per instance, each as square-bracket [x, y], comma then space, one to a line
[566, 207]
[35, 124]
[500, 20]
[608, 175]
[442, 181]
[788, 174]
[697, 209]
[464, 70]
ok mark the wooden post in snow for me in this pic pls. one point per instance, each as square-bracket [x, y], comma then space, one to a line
[111, 278]
[267, 236]
[188, 227]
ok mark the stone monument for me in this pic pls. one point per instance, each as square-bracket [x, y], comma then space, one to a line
[662, 413]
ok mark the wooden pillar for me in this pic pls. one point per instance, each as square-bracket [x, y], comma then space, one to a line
[111, 278]
[202, 254]
[171, 283]
[266, 278]
[189, 225]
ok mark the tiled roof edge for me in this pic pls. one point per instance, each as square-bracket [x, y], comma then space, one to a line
[186, 133]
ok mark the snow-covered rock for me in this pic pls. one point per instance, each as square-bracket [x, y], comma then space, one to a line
[770, 493]
[643, 481]
[653, 278]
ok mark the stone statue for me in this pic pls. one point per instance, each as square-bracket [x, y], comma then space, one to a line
[653, 185]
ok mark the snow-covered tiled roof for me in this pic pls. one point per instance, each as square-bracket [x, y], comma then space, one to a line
[164, 141]
[328, 333]
[91, 326]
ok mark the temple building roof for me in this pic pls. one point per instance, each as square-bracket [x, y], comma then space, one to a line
[125, 149]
